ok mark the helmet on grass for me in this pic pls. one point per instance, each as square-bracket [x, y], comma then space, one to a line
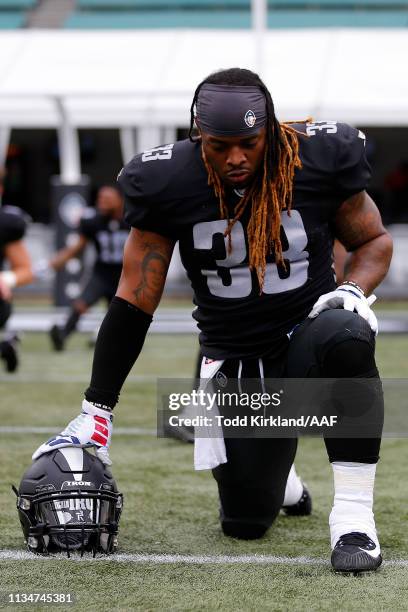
[68, 501]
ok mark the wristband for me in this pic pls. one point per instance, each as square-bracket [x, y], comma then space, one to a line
[353, 284]
[97, 410]
[9, 278]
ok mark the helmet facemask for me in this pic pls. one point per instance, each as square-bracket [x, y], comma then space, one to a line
[67, 521]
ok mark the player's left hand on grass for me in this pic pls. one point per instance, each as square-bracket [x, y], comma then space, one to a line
[93, 427]
[349, 298]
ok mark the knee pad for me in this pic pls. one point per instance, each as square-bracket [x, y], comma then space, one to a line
[349, 359]
[243, 530]
[350, 354]
[247, 527]
[345, 345]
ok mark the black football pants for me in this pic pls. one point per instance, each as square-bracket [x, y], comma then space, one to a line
[337, 344]
[97, 287]
[5, 311]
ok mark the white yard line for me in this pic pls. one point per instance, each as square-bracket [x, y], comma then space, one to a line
[16, 555]
[119, 431]
[157, 559]
[61, 378]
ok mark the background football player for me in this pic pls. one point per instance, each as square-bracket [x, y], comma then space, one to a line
[255, 205]
[107, 232]
[13, 252]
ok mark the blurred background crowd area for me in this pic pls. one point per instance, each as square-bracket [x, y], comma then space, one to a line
[86, 84]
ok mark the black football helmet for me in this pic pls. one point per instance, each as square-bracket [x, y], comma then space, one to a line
[68, 501]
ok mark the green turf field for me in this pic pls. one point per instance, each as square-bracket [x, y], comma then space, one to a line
[170, 509]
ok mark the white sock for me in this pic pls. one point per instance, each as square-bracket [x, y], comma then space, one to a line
[353, 500]
[294, 488]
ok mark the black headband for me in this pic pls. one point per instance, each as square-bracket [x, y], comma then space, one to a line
[230, 110]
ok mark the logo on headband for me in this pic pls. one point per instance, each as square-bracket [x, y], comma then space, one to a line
[250, 118]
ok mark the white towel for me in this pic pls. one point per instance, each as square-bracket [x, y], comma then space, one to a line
[209, 451]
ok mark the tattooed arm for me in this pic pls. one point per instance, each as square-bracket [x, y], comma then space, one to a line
[145, 263]
[359, 228]
[120, 340]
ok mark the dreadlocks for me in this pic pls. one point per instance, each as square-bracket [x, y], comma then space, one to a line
[272, 189]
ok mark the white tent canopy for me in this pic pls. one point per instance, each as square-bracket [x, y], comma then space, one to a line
[138, 78]
[145, 79]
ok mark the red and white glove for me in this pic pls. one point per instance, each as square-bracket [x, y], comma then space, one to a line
[93, 427]
[349, 298]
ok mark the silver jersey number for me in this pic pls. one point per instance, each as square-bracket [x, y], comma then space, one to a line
[233, 279]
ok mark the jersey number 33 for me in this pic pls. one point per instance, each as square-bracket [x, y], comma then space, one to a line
[233, 278]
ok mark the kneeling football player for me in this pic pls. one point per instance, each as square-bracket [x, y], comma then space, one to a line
[255, 205]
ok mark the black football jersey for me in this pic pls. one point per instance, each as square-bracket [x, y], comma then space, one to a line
[12, 228]
[166, 192]
[109, 237]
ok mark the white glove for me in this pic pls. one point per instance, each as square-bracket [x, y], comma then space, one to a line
[349, 298]
[93, 427]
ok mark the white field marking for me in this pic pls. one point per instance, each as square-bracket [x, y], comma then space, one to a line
[119, 431]
[58, 378]
[156, 559]
[17, 555]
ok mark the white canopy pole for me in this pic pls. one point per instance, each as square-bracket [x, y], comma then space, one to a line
[4, 143]
[169, 134]
[70, 161]
[148, 137]
[259, 13]
[127, 136]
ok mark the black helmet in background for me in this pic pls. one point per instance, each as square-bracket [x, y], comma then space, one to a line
[68, 501]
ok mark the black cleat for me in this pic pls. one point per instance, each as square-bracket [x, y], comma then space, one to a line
[302, 508]
[57, 338]
[355, 552]
[8, 353]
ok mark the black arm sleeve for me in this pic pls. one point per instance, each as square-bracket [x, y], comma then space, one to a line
[120, 340]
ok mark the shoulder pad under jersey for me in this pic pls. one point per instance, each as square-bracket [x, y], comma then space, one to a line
[155, 184]
[333, 154]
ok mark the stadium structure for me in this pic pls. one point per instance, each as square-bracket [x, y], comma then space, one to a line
[85, 85]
